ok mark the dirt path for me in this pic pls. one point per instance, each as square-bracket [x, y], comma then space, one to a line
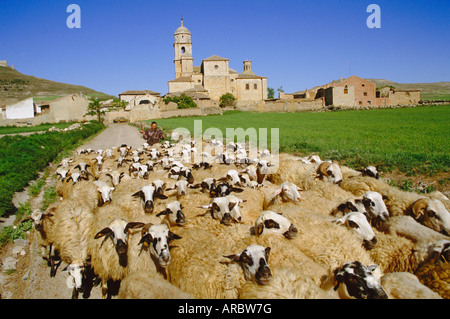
[23, 272]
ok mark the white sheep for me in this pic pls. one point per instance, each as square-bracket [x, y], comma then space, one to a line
[149, 285]
[404, 285]
[109, 246]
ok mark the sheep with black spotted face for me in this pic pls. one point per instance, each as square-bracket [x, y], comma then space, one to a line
[148, 194]
[354, 280]
[330, 171]
[271, 222]
[375, 206]
[158, 238]
[220, 208]
[173, 214]
[359, 224]
[254, 261]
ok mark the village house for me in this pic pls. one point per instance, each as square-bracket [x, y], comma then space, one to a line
[214, 77]
[137, 97]
[356, 92]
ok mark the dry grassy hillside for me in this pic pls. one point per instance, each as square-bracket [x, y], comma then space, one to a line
[15, 86]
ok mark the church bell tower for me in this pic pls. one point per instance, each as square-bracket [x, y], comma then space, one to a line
[183, 52]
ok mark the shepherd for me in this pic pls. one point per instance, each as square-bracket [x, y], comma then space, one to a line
[153, 135]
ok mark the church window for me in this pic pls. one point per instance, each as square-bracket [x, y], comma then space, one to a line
[216, 67]
[247, 86]
[346, 89]
[255, 86]
[183, 49]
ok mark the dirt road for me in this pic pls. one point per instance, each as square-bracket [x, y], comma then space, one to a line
[24, 274]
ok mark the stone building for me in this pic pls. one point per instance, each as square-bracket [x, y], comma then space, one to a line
[214, 77]
[389, 96]
[136, 97]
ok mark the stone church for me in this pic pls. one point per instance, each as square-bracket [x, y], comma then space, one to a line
[214, 77]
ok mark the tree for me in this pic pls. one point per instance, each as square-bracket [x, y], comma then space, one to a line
[119, 104]
[270, 93]
[227, 99]
[280, 89]
[96, 109]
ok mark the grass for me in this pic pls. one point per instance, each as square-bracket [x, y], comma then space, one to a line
[37, 128]
[412, 140]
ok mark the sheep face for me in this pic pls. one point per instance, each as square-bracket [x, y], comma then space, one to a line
[75, 279]
[38, 216]
[254, 262]
[221, 209]
[359, 224]
[330, 172]
[116, 177]
[159, 186]
[371, 171]
[290, 192]
[118, 231]
[352, 205]
[223, 189]
[271, 222]
[148, 194]
[433, 214]
[158, 238]
[174, 214]
[356, 281]
[375, 206]
[105, 193]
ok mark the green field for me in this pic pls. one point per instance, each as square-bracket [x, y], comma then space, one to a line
[37, 128]
[412, 140]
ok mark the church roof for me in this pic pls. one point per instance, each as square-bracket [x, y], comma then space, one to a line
[215, 58]
[249, 74]
[139, 92]
[182, 79]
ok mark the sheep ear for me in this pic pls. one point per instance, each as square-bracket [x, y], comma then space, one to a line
[267, 253]
[236, 189]
[133, 225]
[232, 205]
[103, 232]
[270, 223]
[173, 236]
[233, 257]
[164, 212]
[138, 194]
[161, 196]
[146, 240]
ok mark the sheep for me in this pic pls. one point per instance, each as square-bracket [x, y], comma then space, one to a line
[434, 272]
[62, 173]
[223, 189]
[105, 192]
[375, 207]
[158, 238]
[359, 224]
[428, 211]
[148, 194]
[371, 171]
[330, 171]
[354, 280]
[72, 230]
[403, 244]
[287, 191]
[271, 222]
[43, 224]
[173, 214]
[350, 205]
[116, 176]
[404, 285]
[220, 208]
[109, 246]
[254, 261]
[149, 285]
[287, 283]
[181, 186]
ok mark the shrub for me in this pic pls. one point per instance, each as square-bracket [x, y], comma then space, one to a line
[227, 99]
[183, 101]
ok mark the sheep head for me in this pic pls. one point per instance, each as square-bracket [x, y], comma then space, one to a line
[433, 214]
[158, 238]
[356, 281]
[254, 261]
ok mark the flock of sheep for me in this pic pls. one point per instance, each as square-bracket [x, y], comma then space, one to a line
[149, 222]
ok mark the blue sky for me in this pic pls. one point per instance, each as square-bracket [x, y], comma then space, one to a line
[124, 45]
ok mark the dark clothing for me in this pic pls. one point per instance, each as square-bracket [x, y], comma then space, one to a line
[153, 137]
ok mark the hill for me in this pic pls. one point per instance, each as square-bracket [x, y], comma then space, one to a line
[15, 86]
[429, 91]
